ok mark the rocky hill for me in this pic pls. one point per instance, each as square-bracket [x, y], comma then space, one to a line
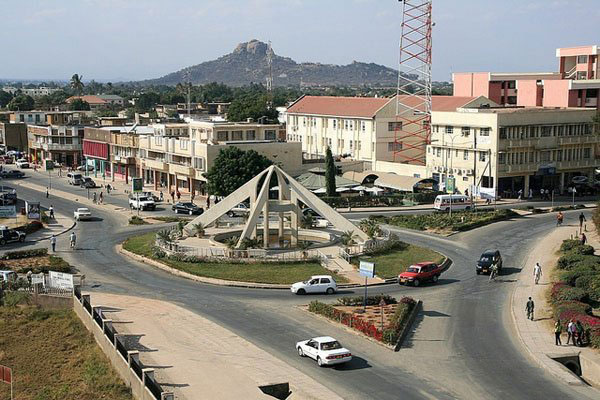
[248, 63]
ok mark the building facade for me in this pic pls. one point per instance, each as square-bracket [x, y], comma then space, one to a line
[59, 139]
[510, 149]
[13, 136]
[575, 84]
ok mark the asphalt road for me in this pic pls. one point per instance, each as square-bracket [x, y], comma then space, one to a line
[463, 345]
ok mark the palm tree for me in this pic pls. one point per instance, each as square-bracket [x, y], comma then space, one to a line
[370, 227]
[199, 229]
[347, 238]
[307, 221]
[164, 236]
[77, 83]
[303, 246]
[231, 243]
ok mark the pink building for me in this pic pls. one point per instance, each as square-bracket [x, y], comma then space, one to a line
[576, 84]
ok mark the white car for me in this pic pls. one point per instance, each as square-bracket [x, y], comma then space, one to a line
[82, 214]
[22, 163]
[580, 179]
[142, 203]
[325, 350]
[316, 284]
[240, 209]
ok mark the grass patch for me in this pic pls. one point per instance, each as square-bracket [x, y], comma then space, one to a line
[170, 219]
[135, 220]
[53, 356]
[257, 272]
[390, 263]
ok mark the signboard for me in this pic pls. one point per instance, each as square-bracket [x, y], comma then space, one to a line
[137, 185]
[8, 211]
[61, 280]
[37, 279]
[5, 374]
[367, 269]
[450, 186]
[48, 165]
[33, 209]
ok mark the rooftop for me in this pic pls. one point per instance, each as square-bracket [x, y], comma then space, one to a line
[91, 99]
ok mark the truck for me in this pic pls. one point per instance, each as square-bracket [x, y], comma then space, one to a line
[142, 203]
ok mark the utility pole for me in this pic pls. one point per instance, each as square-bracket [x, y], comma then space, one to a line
[269, 77]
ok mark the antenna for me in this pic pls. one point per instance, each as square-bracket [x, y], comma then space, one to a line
[412, 131]
[270, 76]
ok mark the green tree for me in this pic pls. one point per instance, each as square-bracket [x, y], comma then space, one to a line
[232, 168]
[5, 98]
[79, 105]
[21, 103]
[147, 101]
[77, 83]
[329, 173]
[252, 105]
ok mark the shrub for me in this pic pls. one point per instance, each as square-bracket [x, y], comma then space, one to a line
[568, 260]
[562, 292]
[32, 227]
[569, 244]
[577, 306]
[570, 276]
[371, 300]
[15, 255]
[585, 250]
[135, 220]
[13, 299]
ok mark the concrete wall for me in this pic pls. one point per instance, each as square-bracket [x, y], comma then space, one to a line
[52, 302]
[590, 367]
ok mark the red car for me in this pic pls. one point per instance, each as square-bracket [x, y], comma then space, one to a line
[421, 272]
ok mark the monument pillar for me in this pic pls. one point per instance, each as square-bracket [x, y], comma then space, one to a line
[266, 225]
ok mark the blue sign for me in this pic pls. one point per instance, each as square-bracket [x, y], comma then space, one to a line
[367, 269]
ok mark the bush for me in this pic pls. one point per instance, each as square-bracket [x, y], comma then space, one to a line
[569, 244]
[561, 292]
[31, 227]
[570, 276]
[371, 300]
[135, 220]
[15, 255]
[576, 306]
[585, 250]
[13, 299]
[568, 260]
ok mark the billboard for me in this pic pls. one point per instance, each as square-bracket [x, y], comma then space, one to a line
[60, 280]
[33, 209]
[367, 269]
[137, 185]
[8, 211]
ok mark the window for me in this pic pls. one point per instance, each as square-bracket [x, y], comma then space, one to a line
[582, 59]
[546, 131]
[560, 130]
[222, 135]
[512, 84]
[351, 124]
[465, 131]
[586, 152]
[394, 146]
[559, 154]
[393, 126]
[183, 144]
[438, 151]
[335, 124]
[340, 143]
[250, 135]
[449, 130]
[511, 100]
[501, 158]
[236, 135]
[22, 118]
[270, 134]
[314, 122]
[351, 144]
[158, 140]
[363, 126]
[329, 142]
[482, 156]
[465, 154]
[345, 124]
[304, 121]
[436, 129]
[502, 133]
[37, 117]
[199, 163]
[456, 153]
[545, 155]
[484, 132]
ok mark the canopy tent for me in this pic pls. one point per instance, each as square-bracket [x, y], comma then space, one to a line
[323, 190]
[375, 190]
[313, 181]
[363, 177]
[402, 183]
[359, 188]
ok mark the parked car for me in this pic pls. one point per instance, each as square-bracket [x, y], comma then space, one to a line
[22, 163]
[88, 183]
[142, 203]
[74, 178]
[11, 235]
[325, 350]
[239, 210]
[82, 214]
[84, 168]
[8, 196]
[489, 257]
[11, 174]
[316, 284]
[443, 202]
[419, 273]
[187, 208]
[580, 179]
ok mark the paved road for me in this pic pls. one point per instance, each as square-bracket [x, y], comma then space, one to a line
[463, 345]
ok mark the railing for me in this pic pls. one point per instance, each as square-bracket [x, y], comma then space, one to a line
[49, 291]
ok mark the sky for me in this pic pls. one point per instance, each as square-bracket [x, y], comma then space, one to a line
[116, 40]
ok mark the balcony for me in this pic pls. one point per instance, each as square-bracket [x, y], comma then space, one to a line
[518, 168]
[124, 160]
[156, 164]
[576, 164]
[579, 139]
[59, 147]
[177, 169]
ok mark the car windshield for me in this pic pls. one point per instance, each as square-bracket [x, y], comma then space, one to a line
[331, 345]
[486, 258]
[191, 205]
[413, 269]
[144, 199]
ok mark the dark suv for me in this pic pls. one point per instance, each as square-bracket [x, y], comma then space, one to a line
[486, 260]
[11, 235]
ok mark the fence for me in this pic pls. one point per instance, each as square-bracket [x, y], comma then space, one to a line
[126, 362]
[49, 291]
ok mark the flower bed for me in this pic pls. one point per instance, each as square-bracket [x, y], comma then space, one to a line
[398, 314]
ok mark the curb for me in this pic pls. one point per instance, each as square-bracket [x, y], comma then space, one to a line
[409, 323]
[58, 234]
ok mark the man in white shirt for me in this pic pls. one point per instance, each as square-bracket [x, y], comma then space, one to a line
[537, 272]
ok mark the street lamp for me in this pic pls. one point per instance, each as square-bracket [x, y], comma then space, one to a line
[452, 137]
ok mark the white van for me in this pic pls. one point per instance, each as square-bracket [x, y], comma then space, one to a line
[459, 202]
[74, 178]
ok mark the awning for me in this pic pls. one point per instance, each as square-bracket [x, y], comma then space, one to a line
[361, 176]
[400, 182]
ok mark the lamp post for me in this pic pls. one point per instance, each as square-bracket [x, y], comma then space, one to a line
[452, 137]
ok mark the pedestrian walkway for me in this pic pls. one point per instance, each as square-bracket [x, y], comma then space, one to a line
[198, 359]
[56, 226]
[537, 336]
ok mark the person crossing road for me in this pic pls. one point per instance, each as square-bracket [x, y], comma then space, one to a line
[73, 239]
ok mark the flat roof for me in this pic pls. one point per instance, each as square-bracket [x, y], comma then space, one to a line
[140, 130]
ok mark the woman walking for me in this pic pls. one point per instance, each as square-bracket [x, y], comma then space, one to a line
[557, 332]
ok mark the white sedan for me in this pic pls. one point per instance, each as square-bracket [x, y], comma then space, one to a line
[82, 214]
[316, 284]
[22, 163]
[325, 350]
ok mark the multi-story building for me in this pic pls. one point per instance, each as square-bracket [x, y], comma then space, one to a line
[360, 128]
[28, 117]
[94, 101]
[13, 136]
[576, 84]
[59, 139]
[112, 99]
[507, 149]
[34, 92]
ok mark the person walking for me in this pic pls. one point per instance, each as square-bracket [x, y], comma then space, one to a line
[579, 330]
[557, 332]
[207, 202]
[73, 239]
[581, 221]
[520, 194]
[101, 197]
[537, 272]
[583, 238]
[192, 196]
[94, 198]
[51, 211]
[53, 243]
[529, 308]
[173, 196]
[47, 194]
[559, 218]
[530, 193]
[160, 196]
[178, 195]
[571, 331]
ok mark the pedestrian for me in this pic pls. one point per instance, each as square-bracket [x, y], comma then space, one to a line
[557, 332]
[53, 243]
[29, 273]
[520, 194]
[101, 197]
[581, 221]
[537, 272]
[467, 192]
[160, 196]
[530, 193]
[579, 330]
[51, 211]
[178, 195]
[583, 238]
[207, 202]
[94, 198]
[47, 194]
[73, 239]
[529, 308]
[108, 188]
[571, 331]
[173, 196]
[193, 195]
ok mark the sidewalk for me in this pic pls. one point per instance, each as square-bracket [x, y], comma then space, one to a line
[57, 226]
[198, 359]
[537, 336]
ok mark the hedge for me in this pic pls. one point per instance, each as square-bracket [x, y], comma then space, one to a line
[459, 221]
[371, 300]
[31, 227]
[563, 292]
[15, 255]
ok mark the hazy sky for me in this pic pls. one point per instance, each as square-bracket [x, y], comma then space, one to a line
[138, 39]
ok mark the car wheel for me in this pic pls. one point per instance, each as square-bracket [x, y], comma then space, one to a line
[329, 291]
[21, 239]
[435, 278]
[301, 291]
[478, 272]
[2, 242]
[190, 212]
[320, 362]
[416, 282]
[230, 214]
[300, 352]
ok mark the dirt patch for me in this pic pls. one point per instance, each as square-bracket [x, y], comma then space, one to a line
[36, 264]
[372, 313]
